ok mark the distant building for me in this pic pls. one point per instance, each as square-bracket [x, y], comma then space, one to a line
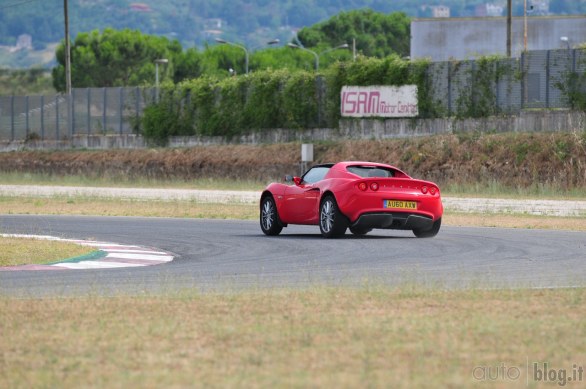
[140, 7]
[538, 7]
[434, 11]
[213, 28]
[440, 11]
[24, 42]
[489, 9]
[467, 38]
[213, 24]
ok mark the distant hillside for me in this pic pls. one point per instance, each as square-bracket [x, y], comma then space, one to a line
[199, 22]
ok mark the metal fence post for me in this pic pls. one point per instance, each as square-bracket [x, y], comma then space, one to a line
[42, 117]
[104, 124]
[318, 94]
[89, 112]
[496, 87]
[121, 108]
[72, 110]
[137, 126]
[12, 118]
[473, 82]
[547, 77]
[26, 107]
[57, 118]
[523, 81]
[449, 88]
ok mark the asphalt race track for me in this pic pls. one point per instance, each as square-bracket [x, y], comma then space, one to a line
[228, 255]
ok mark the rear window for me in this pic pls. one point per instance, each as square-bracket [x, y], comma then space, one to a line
[371, 171]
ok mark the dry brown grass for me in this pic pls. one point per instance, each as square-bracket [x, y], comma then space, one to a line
[366, 337]
[515, 160]
[515, 221]
[118, 207]
[21, 251]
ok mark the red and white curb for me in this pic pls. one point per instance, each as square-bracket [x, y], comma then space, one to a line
[114, 256]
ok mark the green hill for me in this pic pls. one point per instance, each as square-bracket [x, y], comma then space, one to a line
[198, 22]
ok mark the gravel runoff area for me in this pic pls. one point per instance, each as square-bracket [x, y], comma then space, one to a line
[575, 208]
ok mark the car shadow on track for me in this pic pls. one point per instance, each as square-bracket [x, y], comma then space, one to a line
[286, 236]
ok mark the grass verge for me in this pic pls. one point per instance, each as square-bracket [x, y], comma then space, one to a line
[319, 337]
[492, 189]
[125, 182]
[24, 251]
[120, 207]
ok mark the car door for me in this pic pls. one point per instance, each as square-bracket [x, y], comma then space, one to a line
[301, 201]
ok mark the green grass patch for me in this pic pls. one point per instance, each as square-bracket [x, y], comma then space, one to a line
[318, 337]
[495, 189]
[27, 251]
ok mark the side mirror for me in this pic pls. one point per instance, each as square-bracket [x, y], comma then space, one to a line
[295, 180]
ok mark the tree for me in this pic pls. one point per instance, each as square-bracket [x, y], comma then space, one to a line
[188, 65]
[218, 59]
[376, 34]
[288, 58]
[122, 58]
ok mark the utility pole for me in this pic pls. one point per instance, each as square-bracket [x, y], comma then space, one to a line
[509, 26]
[68, 71]
[525, 25]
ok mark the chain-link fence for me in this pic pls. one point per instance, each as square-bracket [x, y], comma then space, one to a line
[475, 88]
[94, 111]
[538, 79]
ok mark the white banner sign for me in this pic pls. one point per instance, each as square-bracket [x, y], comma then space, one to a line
[379, 101]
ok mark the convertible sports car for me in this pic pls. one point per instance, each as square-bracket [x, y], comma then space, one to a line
[356, 195]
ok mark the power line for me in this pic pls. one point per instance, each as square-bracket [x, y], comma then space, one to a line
[17, 4]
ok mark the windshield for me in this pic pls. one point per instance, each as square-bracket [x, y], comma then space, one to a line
[315, 174]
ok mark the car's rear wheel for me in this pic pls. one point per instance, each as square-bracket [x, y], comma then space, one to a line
[332, 223]
[269, 217]
[360, 231]
[431, 232]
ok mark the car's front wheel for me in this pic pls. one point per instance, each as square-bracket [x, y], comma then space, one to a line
[332, 223]
[429, 233]
[269, 217]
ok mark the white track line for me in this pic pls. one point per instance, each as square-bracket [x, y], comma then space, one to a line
[144, 257]
[95, 265]
[117, 255]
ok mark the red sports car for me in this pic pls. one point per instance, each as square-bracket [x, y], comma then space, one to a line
[356, 195]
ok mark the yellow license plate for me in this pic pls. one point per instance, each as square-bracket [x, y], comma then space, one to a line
[398, 204]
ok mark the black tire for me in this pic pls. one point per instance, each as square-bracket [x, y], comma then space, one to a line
[270, 223]
[332, 223]
[360, 231]
[429, 233]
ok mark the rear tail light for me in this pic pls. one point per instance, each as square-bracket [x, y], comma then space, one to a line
[432, 190]
[364, 186]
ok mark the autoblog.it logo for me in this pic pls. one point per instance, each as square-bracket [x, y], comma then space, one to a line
[531, 372]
